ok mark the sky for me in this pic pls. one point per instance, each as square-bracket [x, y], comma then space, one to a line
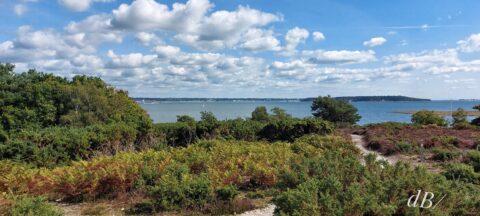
[252, 48]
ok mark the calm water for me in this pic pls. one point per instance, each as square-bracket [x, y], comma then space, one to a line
[371, 112]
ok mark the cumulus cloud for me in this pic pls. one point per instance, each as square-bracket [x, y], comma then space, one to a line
[191, 22]
[339, 56]
[318, 36]
[32, 45]
[147, 38]
[166, 51]
[260, 40]
[307, 72]
[131, 60]
[294, 37]
[433, 62]
[470, 44]
[376, 41]
[79, 5]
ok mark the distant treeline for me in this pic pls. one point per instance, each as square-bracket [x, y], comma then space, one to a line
[375, 98]
[353, 98]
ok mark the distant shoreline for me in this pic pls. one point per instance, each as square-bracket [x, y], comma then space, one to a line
[350, 99]
[442, 113]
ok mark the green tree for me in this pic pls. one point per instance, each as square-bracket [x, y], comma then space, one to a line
[477, 120]
[280, 114]
[427, 117]
[260, 114]
[337, 111]
[207, 125]
[459, 117]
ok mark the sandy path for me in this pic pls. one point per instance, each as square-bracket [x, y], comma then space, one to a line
[267, 211]
[360, 144]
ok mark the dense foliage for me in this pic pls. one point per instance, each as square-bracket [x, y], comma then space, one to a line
[333, 110]
[427, 117]
[477, 120]
[311, 176]
[278, 126]
[49, 120]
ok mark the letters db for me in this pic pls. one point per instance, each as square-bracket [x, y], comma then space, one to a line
[427, 200]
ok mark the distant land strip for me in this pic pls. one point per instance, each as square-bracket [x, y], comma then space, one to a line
[350, 99]
[442, 113]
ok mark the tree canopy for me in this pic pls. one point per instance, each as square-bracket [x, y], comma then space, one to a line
[337, 111]
[38, 111]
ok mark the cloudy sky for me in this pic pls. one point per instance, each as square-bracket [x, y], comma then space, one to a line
[252, 48]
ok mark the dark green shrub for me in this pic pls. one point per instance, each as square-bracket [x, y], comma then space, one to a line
[33, 206]
[260, 114]
[207, 125]
[473, 158]
[176, 134]
[300, 201]
[426, 117]
[404, 147]
[177, 189]
[461, 172]
[333, 110]
[444, 154]
[227, 193]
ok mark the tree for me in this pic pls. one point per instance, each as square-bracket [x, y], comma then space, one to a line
[459, 117]
[336, 111]
[207, 125]
[427, 117]
[280, 114]
[477, 120]
[260, 114]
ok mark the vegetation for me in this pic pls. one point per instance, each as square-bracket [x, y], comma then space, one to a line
[47, 120]
[426, 117]
[81, 140]
[459, 118]
[336, 111]
[477, 120]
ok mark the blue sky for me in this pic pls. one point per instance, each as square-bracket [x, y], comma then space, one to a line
[254, 48]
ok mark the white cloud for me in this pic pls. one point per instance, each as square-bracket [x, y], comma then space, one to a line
[307, 73]
[339, 56]
[260, 40]
[131, 60]
[191, 22]
[318, 36]
[433, 62]
[20, 9]
[294, 37]
[470, 44]
[166, 51]
[376, 41]
[79, 5]
[148, 38]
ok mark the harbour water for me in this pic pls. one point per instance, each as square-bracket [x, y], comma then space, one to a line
[371, 112]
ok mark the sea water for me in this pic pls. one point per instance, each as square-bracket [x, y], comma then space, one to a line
[371, 112]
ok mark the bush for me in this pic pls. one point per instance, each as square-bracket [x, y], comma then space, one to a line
[260, 114]
[336, 111]
[404, 147]
[461, 172]
[426, 117]
[444, 154]
[473, 158]
[290, 129]
[300, 201]
[36, 206]
[227, 193]
[178, 189]
[459, 117]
